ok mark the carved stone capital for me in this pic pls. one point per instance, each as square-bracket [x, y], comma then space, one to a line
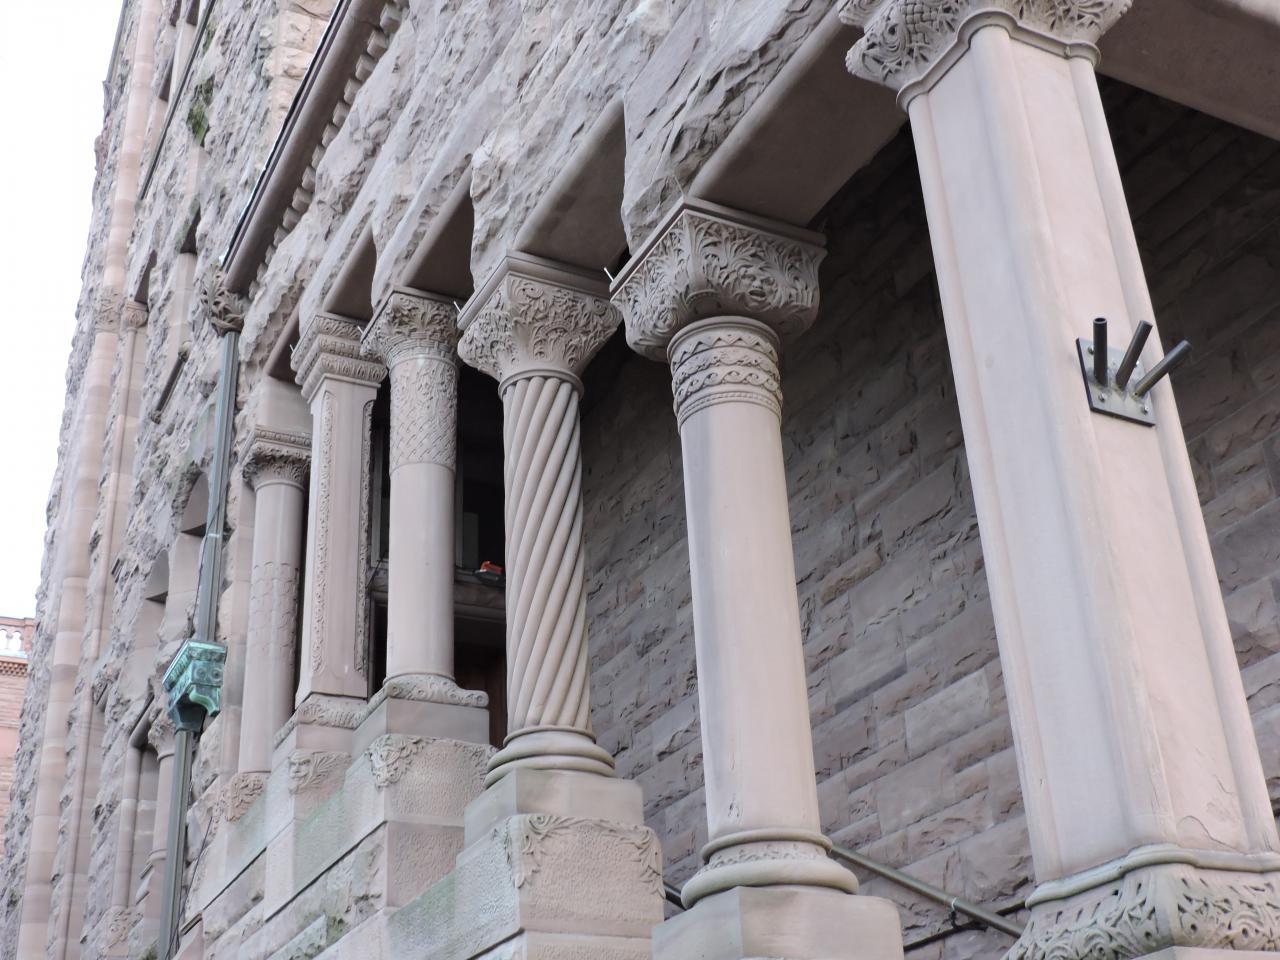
[161, 733]
[133, 315]
[107, 307]
[330, 347]
[903, 40]
[705, 261]
[223, 308]
[1150, 909]
[532, 317]
[412, 323]
[276, 456]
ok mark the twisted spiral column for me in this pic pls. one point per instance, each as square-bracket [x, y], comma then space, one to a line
[534, 328]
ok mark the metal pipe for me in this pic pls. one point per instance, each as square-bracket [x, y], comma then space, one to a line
[189, 717]
[1100, 356]
[673, 895]
[1130, 360]
[930, 892]
[1173, 359]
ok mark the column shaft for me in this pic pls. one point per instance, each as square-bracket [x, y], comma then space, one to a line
[534, 329]
[277, 464]
[340, 388]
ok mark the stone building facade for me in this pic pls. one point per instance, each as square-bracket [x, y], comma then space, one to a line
[386, 304]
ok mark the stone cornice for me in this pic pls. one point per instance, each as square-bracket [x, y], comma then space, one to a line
[904, 40]
[412, 322]
[221, 307]
[276, 456]
[330, 347]
[705, 261]
[533, 316]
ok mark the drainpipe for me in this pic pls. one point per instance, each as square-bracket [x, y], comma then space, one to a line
[193, 681]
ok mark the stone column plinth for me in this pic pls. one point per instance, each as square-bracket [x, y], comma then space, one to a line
[1146, 806]
[340, 385]
[276, 463]
[712, 292]
[533, 328]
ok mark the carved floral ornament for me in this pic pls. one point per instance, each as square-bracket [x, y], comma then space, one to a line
[330, 347]
[705, 262]
[223, 308]
[533, 317]
[107, 307]
[274, 456]
[903, 39]
[1150, 910]
[412, 323]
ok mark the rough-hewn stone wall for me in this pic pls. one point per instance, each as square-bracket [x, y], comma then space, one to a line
[911, 732]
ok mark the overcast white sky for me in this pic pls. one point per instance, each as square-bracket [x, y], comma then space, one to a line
[53, 58]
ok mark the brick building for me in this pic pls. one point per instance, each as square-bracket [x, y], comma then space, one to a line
[398, 586]
[15, 646]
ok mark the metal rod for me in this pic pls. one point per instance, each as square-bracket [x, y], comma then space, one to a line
[929, 891]
[1136, 343]
[1100, 351]
[673, 895]
[175, 844]
[1174, 358]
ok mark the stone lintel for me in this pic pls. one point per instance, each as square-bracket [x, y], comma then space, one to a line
[330, 347]
[907, 44]
[704, 261]
[535, 316]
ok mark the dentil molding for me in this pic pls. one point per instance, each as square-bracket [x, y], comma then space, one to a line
[534, 317]
[705, 261]
[903, 40]
[330, 347]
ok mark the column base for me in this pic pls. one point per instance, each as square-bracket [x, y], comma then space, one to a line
[550, 748]
[1168, 910]
[782, 923]
[767, 858]
[557, 864]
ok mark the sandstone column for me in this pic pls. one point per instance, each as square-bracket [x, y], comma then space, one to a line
[534, 328]
[276, 462]
[1149, 817]
[712, 292]
[416, 335]
[340, 385]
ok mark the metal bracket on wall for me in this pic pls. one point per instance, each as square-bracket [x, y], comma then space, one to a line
[1109, 373]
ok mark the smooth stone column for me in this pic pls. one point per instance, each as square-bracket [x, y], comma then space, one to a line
[416, 336]
[276, 463]
[534, 327]
[340, 385]
[1148, 813]
[711, 292]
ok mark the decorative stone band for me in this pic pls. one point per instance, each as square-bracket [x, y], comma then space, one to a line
[534, 317]
[321, 710]
[905, 42]
[714, 361]
[705, 261]
[276, 456]
[223, 308]
[767, 858]
[330, 348]
[1153, 908]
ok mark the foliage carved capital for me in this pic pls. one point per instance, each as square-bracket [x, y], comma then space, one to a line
[706, 262]
[222, 307]
[412, 323]
[330, 347]
[533, 316]
[902, 40]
